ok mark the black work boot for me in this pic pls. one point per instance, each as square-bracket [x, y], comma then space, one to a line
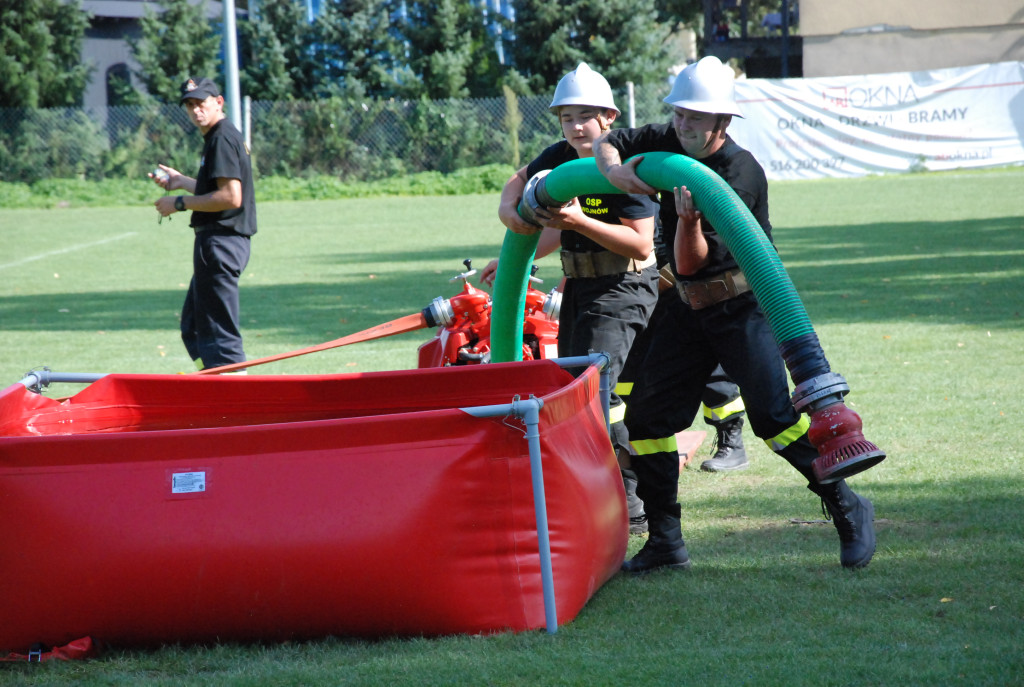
[664, 548]
[637, 517]
[730, 454]
[854, 518]
[652, 557]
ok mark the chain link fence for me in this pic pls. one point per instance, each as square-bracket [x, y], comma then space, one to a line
[350, 140]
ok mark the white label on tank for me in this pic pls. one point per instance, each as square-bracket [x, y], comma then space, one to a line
[188, 482]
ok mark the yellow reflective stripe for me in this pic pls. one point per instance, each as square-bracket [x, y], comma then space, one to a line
[617, 413]
[624, 388]
[787, 437]
[722, 412]
[645, 447]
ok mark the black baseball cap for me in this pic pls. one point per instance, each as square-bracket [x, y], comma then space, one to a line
[200, 89]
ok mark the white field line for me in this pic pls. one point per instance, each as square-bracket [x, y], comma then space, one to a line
[69, 249]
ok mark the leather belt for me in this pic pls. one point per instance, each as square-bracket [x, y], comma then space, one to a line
[601, 264]
[666, 278]
[707, 292]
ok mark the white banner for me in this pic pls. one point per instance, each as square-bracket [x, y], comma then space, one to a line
[847, 126]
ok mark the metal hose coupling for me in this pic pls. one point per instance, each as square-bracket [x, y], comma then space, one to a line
[835, 429]
[552, 305]
[439, 313]
[536, 196]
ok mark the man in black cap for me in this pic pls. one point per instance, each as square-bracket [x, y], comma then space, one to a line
[223, 218]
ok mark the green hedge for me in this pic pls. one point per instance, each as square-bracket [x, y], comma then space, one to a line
[55, 193]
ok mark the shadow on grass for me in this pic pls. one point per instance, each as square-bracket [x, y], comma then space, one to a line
[309, 311]
[448, 257]
[968, 522]
[962, 272]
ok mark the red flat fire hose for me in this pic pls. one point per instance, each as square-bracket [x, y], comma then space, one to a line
[402, 325]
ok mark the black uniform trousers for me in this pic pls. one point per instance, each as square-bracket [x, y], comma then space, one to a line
[721, 395]
[685, 348]
[720, 399]
[604, 315]
[210, 314]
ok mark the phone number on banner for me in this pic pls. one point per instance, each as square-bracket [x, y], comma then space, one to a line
[809, 163]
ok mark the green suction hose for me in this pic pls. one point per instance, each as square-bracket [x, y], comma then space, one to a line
[509, 301]
[835, 430]
[712, 196]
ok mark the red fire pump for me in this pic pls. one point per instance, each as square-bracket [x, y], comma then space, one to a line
[464, 329]
[464, 325]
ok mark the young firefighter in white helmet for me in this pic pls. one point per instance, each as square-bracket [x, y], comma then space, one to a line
[606, 240]
[717, 320]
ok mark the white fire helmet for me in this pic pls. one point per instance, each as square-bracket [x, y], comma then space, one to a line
[708, 86]
[583, 86]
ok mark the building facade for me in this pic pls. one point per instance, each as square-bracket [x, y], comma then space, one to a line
[880, 36]
[105, 44]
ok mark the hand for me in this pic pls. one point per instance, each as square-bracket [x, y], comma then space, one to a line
[624, 177]
[171, 179]
[165, 205]
[508, 213]
[488, 273]
[565, 218]
[685, 208]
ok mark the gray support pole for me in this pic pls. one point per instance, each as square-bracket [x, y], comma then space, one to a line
[247, 120]
[231, 65]
[531, 417]
[529, 412]
[631, 104]
[37, 380]
[785, 39]
[605, 390]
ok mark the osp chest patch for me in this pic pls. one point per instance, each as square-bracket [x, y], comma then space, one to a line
[594, 206]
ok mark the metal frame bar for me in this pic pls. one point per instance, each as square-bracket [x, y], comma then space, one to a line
[529, 412]
[37, 380]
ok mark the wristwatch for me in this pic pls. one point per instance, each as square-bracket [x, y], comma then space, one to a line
[179, 203]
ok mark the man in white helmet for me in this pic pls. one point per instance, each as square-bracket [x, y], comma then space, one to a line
[606, 240]
[717, 320]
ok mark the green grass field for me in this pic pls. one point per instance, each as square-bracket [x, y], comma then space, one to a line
[915, 286]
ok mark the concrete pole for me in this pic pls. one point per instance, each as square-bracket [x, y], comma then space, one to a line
[233, 91]
[631, 104]
[785, 39]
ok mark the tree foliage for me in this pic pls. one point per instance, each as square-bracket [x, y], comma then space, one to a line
[40, 53]
[627, 43]
[621, 39]
[450, 51]
[434, 49]
[175, 44]
[358, 53]
[545, 46]
[277, 52]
